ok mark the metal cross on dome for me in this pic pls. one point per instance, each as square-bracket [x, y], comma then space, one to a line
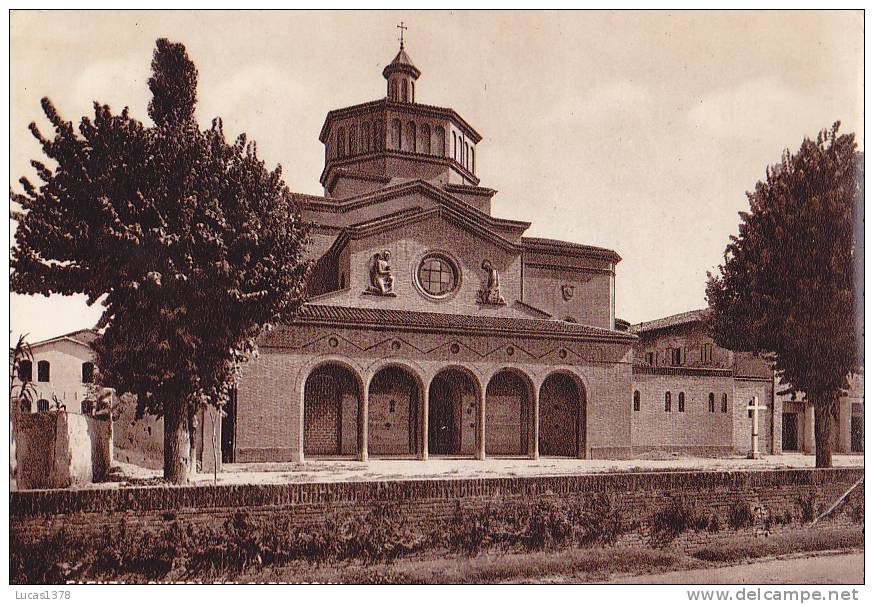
[402, 27]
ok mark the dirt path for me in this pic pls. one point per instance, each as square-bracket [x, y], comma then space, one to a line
[836, 569]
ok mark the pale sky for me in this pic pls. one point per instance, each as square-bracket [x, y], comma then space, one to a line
[637, 131]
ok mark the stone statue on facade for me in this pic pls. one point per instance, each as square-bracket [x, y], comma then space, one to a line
[491, 294]
[381, 279]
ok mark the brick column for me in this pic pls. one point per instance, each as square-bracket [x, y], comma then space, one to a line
[534, 450]
[298, 448]
[362, 427]
[481, 426]
[423, 444]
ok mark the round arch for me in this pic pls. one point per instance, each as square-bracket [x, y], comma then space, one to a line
[332, 393]
[395, 397]
[454, 402]
[509, 402]
[562, 413]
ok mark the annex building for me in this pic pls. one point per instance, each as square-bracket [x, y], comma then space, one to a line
[432, 327]
[690, 395]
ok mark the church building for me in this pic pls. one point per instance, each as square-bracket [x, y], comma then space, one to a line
[433, 328]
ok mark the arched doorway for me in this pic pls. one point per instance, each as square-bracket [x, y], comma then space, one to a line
[453, 402]
[508, 414]
[393, 401]
[330, 412]
[562, 416]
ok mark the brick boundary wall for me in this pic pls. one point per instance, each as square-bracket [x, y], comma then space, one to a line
[428, 503]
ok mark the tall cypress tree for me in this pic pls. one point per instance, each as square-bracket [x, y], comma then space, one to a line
[791, 284]
[191, 245]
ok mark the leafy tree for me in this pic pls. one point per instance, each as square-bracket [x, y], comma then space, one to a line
[791, 283]
[192, 246]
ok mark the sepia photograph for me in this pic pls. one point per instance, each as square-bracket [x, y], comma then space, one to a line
[437, 297]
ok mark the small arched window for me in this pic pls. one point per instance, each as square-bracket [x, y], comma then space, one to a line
[366, 142]
[472, 161]
[454, 147]
[378, 136]
[724, 403]
[425, 139]
[681, 402]
[667, 402]
[87, 372]
[43, 373]
[42, 405]
[440, 135]
[412, 92]
[341, 142]
[411, 136]
[25, 371]
[391, 90]
[636, 400]
[352, 140]
[711, 403]
[404, 91]
[396, 133]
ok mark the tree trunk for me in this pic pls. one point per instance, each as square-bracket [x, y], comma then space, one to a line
[178, 435]
[824, 412]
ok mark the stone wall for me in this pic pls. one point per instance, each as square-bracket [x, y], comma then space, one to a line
[141, 441]
[779, 499]
[59, 449]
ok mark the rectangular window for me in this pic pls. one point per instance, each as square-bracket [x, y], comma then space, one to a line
[707, 353]
[42, 371]
[650, 359]
[676, 356]
[42, 405]
[87, 373]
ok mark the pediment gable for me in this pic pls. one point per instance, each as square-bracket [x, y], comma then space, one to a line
[509, 229]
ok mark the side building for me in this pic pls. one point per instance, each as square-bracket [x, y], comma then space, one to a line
[61, 373]
[690, 395]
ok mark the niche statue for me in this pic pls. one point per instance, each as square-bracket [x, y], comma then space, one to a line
[381, 279]
[492, 292]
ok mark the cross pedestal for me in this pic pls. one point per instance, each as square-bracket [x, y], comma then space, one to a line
[754, 407]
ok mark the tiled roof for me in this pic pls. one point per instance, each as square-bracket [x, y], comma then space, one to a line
[381, 318]
[682, 318]
[640, 368]
[557, 245]
[85, 336]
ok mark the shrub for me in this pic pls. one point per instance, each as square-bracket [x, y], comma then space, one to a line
[674, 519]
[807, 506]
[741, 515]
[714, 525]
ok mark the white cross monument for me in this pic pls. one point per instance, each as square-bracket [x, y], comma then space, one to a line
[754, 407]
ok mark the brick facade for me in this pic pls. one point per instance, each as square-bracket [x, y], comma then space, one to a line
[519, 356]
[678, 350]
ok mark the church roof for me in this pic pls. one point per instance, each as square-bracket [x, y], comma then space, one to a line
[411, 108]
[408, 320]
[568, 248]
[691, 316]
[401, 62]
